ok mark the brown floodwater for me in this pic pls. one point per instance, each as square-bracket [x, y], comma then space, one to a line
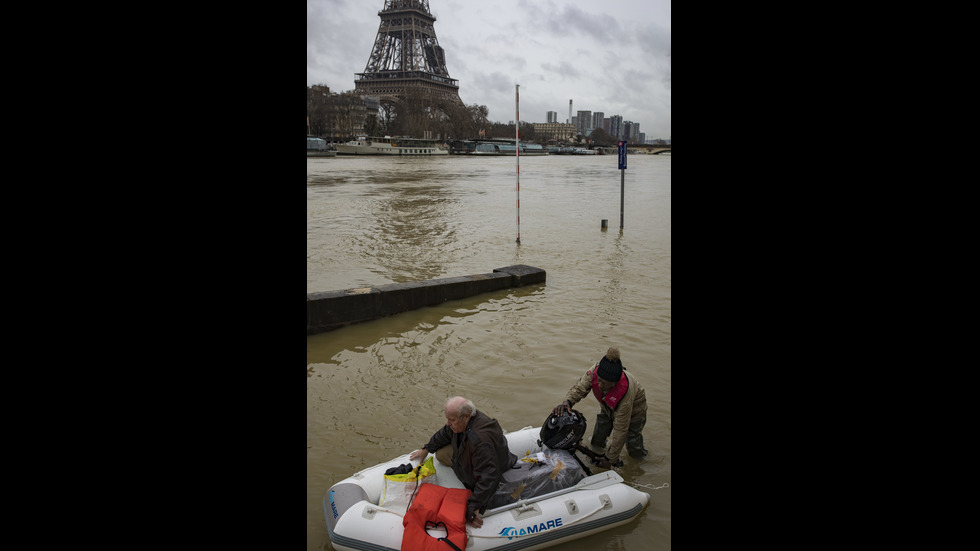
[375, 390]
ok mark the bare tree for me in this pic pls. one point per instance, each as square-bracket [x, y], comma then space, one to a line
[413, 111]
[347, 115]
[466, 121]
[417, 113]
[601, 137]
[317, 109]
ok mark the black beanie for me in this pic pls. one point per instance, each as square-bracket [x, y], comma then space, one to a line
[610, 370]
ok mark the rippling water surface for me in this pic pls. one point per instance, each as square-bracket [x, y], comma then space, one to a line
[375, 390]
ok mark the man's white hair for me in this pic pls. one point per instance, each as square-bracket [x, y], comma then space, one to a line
[460, 405]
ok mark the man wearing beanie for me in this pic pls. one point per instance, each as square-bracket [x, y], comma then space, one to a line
[622, 408]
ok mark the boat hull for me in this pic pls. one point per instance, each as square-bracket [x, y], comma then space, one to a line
[497, 148]
[508, 154]
[328, 153]
[597, 503]
[404, 148]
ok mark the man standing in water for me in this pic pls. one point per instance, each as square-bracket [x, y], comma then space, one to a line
[480, 454]
[622, 408]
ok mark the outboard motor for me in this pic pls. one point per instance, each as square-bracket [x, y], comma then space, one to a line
[563, 432]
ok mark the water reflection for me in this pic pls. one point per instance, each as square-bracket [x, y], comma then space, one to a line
[414, 235]
[610, 280]
[401, 335]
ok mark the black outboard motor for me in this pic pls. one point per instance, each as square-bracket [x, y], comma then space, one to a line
[563, 432]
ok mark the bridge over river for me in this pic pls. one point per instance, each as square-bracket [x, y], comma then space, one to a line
[645, 148]
[649, 148]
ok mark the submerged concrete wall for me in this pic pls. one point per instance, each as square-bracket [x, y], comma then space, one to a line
[331, 310]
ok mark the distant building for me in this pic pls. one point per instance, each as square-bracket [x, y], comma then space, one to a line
[631, 131]
[554, 131]
[337, 116]
[616, 127]
[584, 121]
[317, 90]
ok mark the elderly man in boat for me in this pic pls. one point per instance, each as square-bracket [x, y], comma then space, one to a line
[479, 453]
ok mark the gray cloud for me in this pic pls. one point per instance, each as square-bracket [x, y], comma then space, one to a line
[611, 56]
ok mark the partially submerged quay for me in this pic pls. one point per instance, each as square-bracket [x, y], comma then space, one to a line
[329, 310]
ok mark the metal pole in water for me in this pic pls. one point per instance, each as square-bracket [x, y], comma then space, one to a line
[622, 196]
[622, 181]
[517, 152]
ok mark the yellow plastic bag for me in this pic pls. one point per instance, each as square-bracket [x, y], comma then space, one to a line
[401, 488]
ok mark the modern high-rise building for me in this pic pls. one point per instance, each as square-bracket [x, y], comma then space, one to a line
[616, 126]
[552, 116]
[597, 119]
[631, 131]
[584, 121]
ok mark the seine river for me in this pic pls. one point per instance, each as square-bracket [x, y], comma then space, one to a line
[375, 390]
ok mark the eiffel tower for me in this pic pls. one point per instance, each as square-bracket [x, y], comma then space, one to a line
[406, 55]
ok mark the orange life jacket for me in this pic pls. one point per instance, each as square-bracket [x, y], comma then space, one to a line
[435, 504]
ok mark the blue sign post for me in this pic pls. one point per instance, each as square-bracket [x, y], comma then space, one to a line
[622, 181]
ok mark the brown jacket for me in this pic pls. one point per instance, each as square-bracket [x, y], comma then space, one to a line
[633, 404]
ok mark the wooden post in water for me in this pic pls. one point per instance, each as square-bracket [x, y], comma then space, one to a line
[517, 153]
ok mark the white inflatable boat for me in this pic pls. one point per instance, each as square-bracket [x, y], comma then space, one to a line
[356, 521]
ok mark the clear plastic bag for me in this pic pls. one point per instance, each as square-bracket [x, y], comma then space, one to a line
[537, 474]
[400, 488]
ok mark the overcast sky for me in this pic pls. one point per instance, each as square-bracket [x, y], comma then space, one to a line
[604, 55]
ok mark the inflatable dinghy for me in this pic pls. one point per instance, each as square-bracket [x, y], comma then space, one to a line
[550, 497]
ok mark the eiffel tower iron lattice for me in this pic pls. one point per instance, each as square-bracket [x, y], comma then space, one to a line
[406, 55]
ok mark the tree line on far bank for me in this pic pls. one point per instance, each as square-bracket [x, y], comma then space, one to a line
[418, 114]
